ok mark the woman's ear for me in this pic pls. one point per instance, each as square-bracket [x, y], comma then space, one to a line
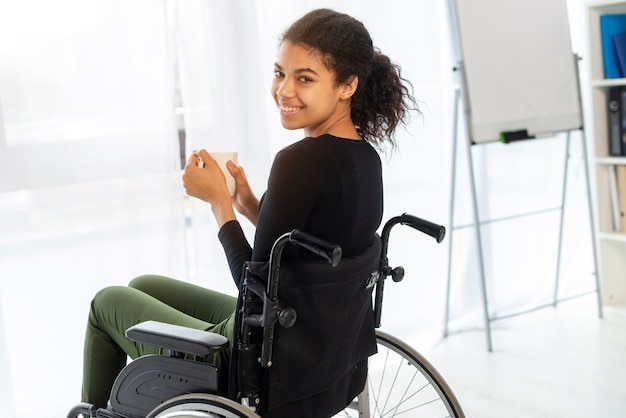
[349, 87]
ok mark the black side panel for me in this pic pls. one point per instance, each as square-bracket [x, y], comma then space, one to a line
[150, 380]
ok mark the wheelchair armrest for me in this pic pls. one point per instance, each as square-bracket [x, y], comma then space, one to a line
[176, 338]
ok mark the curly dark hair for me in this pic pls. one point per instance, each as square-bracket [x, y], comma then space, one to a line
[383, 98]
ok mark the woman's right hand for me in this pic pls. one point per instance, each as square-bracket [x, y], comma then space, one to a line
[209, 184]
[244, 200]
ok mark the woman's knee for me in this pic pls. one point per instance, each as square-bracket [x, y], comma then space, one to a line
[104, 303]
[108, 295]
[146, 281]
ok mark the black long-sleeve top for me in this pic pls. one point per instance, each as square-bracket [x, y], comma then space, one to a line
[329, 187]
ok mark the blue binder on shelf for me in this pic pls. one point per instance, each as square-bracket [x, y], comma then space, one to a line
[612, 26]
[619, 46]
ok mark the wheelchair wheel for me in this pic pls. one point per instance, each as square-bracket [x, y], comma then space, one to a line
[401, 382]
[201, 406]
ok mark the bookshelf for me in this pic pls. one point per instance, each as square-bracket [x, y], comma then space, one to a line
[611, 243]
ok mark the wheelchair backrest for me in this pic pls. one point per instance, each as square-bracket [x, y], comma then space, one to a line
[333, 333]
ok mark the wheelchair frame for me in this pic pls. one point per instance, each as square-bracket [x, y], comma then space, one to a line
[188, 389]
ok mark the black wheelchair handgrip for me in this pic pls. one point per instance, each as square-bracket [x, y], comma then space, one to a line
[330, 252]
[436, 231]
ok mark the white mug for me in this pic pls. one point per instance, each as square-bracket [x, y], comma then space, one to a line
[222, 158]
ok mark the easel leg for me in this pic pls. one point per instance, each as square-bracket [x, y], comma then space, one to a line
[561, 222]
[457, 97]
[591, 224]
[476, 225]
[479, 247]
[594, 242]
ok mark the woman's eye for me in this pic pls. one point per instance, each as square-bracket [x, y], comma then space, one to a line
[305, 79]
[278, 73]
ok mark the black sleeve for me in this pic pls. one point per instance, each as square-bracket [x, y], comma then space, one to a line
[236, 248]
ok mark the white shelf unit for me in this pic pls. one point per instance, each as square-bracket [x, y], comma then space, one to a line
[611, 243]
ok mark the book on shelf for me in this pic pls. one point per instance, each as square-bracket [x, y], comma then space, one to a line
[616, 111]
[612, 29]
[617, 224]
[620, 174]
[619, 47]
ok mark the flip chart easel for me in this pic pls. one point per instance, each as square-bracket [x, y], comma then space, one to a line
[519, 81]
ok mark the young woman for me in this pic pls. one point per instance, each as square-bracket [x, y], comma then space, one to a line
[348, 98]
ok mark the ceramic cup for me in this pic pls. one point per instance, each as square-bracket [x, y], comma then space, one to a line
[222, 158]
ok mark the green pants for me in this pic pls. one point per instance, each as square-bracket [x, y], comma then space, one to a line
[117, 308]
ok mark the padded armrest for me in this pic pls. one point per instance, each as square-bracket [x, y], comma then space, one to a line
[177, 338]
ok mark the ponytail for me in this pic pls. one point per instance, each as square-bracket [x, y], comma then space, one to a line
[382, 102]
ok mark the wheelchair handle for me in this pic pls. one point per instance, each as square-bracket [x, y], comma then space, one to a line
[436, 231]
[331, 252]
[429, 228]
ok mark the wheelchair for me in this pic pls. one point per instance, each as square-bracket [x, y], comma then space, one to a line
[396, 379]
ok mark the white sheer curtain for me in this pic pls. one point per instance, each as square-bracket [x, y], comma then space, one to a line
[90, 190]
[92, 95]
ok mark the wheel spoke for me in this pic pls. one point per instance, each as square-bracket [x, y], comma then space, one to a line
[401, 383]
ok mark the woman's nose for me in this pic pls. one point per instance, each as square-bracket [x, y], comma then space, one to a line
[285, 88]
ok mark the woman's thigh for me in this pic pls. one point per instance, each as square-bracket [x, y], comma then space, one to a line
[198, 302]
[117, 308]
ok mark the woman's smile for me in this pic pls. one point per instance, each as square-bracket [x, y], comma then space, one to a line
[288, 110]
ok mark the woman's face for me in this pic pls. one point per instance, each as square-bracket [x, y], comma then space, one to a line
[305, 91]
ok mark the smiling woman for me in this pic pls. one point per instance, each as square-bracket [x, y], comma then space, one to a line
[328, 185]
